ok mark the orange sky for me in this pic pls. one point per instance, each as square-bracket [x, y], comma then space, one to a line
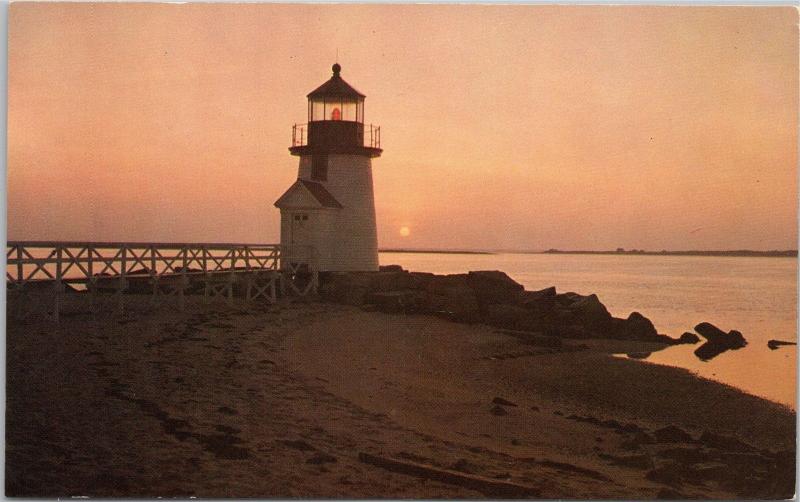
[525, 127]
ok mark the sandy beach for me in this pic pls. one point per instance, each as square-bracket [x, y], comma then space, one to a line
[293, 400]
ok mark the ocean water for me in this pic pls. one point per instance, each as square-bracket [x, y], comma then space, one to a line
[757, 296]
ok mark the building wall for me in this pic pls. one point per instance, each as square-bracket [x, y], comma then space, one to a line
[347, 238]
[311, 241]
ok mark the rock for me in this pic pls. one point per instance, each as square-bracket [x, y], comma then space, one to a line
[672, 434]
[736, 339]
[641, 325]
[542, 294]
[638, 355]
[688, 337]
[611, 424]
[395, 301]
[391, 268]
[710, 332]
[718, 341]
[635, 443]
[630, 428]
[353, 288]
[447, 295]
[512, 317]
[590, 313]
[774, 344]
[541, 301]
[344, 287]
[636, 327]
[420, 280]
[568, 298]
[493, 286]
[722, 442]
[503, 402]
[709, 351]
[440, 284]
[498, 411]
[392, 280]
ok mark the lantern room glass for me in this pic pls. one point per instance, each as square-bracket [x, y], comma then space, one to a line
[335, 108]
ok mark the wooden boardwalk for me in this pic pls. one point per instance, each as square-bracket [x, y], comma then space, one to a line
[37, 272]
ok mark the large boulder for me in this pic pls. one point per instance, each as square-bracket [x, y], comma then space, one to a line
[590, 313]
[512, 317]
[539, 302]
[542, 294]
[687, 338]
[350, 288]
[636, 327]
[420, 280]
[718, 341]
[451, 296]
[395, 302]
[391, 280]
[353, 288]
[710, 332]
[493, 286]
[568, 298]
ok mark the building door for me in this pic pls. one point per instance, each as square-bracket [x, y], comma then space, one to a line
[301, 238]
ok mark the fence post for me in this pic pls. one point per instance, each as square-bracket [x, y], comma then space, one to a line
[20, 271]
[184, 282]
[153, 274]
[121, 285]
[58, 285]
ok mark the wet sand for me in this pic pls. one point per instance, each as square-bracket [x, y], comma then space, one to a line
[279, 402]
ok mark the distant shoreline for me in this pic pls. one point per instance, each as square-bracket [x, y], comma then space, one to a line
[791, 253]
[739, 253]
[428, 251]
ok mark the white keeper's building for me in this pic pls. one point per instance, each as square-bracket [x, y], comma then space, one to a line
[328, 214]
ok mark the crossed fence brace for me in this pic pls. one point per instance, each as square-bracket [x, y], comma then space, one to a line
[36, 270]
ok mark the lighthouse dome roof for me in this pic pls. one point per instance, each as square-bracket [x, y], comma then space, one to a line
[336, 87]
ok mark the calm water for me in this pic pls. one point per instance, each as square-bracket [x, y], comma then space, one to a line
[757, 296]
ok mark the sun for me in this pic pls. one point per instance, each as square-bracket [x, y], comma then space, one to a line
[405, 231]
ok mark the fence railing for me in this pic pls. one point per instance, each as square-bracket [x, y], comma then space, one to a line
[88, 261]
[164, 268]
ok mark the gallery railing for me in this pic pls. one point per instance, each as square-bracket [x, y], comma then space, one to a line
[371, 135]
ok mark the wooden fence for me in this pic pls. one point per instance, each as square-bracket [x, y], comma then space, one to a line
[160, 269]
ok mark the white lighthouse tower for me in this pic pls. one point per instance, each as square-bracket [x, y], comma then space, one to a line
[328, 214]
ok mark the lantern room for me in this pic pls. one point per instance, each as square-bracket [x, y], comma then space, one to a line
[336, 100]
[336, 122]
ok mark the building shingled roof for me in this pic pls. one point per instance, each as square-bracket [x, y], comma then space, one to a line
[319, 192]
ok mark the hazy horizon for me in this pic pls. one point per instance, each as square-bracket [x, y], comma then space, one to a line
[504, 127]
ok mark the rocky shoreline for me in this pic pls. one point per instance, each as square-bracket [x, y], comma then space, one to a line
[489, 297]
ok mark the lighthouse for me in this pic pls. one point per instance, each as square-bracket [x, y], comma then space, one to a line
[328, 214]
